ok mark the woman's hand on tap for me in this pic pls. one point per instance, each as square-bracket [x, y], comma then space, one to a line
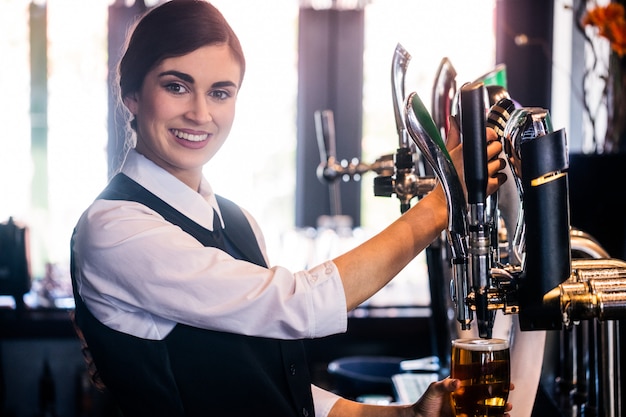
[494, 149]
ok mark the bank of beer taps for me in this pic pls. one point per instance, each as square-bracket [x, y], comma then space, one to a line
[536, 277]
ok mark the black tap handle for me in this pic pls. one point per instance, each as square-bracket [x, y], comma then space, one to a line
[473, 131]
[325, 130]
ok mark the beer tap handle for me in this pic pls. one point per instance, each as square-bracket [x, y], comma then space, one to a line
[444, 91]
[473, 134]
[425, 134]
[506, 203]
[473, 112]
[325, 129]
[399, 66]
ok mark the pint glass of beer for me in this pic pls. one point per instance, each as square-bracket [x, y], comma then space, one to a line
[483, 367]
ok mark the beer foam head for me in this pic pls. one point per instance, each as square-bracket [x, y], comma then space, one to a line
[481, 344]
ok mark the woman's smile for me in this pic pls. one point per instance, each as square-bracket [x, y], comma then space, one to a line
[192, 137]
[191, 140]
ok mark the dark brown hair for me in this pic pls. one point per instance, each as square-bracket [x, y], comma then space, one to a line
[172, 29]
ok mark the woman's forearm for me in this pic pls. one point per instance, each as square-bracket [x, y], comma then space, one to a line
[370, 266]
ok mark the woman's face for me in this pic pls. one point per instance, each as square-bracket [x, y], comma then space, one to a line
[185, 110]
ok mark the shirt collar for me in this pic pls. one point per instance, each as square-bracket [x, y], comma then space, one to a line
[198, 206]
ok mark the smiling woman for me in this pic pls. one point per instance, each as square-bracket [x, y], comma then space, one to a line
[46, 180]
[177, 277]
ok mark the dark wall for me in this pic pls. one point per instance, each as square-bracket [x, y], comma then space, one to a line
[524, 45]
[597, 197]
[330, 77]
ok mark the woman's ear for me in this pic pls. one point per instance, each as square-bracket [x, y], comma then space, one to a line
[130, 101]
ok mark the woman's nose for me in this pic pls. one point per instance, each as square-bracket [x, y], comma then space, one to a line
[200, 110]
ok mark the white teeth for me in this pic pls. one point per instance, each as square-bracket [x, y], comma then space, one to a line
[189, 137]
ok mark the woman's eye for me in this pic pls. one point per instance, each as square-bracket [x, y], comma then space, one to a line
[220, 94]
[176, 88]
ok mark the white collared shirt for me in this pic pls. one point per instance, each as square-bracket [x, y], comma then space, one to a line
[140, 274]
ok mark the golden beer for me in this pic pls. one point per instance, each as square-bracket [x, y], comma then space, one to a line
[484, 369]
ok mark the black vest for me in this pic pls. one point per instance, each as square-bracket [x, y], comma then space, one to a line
[198, 372]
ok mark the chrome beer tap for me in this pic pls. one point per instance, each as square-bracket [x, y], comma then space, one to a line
[444, 92]
[547, 288]
[544, 286]
[427, 138]
[472, 111]
[503, 206]
[399, 66]
[469, 230]
[539, 160]
[397, 173]
[331, 169]
[537, 279]
[406, 183]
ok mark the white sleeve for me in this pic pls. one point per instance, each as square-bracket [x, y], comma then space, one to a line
[140, 274]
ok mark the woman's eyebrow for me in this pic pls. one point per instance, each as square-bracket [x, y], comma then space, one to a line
[188, 78]
[183, 76]
[224, 84]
